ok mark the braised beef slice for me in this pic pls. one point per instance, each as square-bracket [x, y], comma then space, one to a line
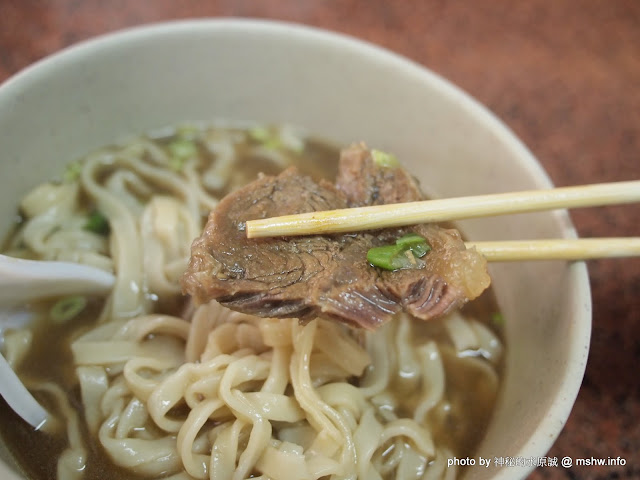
[366, 183]
[327, 275]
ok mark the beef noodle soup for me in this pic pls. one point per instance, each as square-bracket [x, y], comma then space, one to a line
[145, 383]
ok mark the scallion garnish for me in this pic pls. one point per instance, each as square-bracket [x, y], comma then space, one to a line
[72, 172]
[259, 134]
[97, 223]
[399, 255]
[180, 151]
[410, 239]
[384, 159]
[420, 249]
[388, 257]
[265, 137]
[67, 308]
[176, 163]
[497, 319]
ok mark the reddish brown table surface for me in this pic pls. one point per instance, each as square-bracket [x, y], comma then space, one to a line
[565, 76]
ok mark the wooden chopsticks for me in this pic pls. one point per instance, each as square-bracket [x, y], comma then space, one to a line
[558, 249]
[412, 213]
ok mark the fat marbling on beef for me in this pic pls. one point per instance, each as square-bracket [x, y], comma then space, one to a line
[328, 275]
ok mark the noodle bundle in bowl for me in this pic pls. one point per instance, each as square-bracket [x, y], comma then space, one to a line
[148, 383]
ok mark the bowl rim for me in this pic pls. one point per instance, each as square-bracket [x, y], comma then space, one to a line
[580, 298]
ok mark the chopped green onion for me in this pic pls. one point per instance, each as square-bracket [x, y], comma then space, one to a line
[97, 223]
[420, 249]
[259, 134]
[383, 159]
[183, 148]
[180, 151]
[176, 163]
[410, 239]
[498, 319]
[388, 257]
[67, 308]
[267, 138]
[72, 172]
[399, 255]
[414, 242]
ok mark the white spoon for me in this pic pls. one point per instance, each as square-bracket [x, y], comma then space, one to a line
[25, 280]
[22, 281]
[19, 398]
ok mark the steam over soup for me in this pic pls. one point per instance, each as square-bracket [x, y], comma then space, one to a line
[148, 384]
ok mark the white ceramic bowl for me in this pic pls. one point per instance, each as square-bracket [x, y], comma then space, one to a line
[342, 89]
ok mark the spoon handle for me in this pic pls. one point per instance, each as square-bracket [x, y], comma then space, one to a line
[19, 398]
[24, 280]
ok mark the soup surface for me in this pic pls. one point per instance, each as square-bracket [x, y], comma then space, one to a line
[145, 384]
